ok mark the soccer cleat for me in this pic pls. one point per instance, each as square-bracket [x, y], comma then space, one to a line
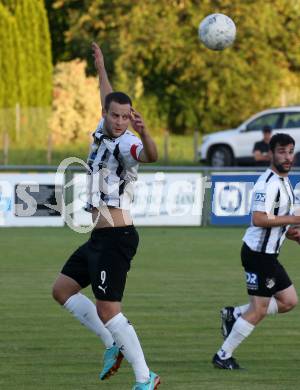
[111, 362]
[227, 320]
[226, 364]
[151, 384]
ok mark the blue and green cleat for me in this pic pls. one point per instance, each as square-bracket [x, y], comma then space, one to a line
[151, 384]
[111, 362]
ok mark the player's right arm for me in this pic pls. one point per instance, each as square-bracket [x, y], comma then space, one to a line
[104, 84]
[264, 205]
[267, 220]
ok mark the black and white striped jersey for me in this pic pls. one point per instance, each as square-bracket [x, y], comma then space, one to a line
[113, 165]
[273, 195]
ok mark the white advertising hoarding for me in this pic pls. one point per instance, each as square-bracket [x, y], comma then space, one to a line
[28, 199]
[160, 199]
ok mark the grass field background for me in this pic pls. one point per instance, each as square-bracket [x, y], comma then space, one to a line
[179, 280]
[180, 152]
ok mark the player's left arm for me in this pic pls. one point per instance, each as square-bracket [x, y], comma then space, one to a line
[149, 152]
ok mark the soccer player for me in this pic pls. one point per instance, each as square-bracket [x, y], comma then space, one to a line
[104, 260]
[269, 287]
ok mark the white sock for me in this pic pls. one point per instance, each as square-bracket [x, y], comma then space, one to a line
[272, 308]
[85, 311]
[127, 340]
[241, 329]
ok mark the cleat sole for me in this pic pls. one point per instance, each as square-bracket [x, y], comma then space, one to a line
[114, 368]
[156, 382]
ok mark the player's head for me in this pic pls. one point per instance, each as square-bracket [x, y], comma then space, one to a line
[282, 152]
[116, 113]
[267, 133]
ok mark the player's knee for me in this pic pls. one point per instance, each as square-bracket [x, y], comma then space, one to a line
[291, 303]
[58, 295]
[107, 310]
[104, 313]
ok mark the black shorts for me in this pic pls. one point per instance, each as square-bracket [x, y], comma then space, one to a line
[265, 276]
[103, 261]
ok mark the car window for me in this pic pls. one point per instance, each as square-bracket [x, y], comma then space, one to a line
[271, 120]
[291, 120]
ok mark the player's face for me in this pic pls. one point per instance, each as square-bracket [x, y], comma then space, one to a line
[282, 158]
[117, 119]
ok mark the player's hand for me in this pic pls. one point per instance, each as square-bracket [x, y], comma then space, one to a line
[293, 234]
[137, 122]
[98, 57]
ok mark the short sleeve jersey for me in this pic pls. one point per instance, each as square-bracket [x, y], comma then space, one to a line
[113, 165]
[273, 195]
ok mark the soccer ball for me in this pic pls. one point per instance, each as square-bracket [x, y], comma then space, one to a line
[217, 31]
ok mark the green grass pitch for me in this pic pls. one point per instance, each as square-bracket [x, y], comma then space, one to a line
[179, 280]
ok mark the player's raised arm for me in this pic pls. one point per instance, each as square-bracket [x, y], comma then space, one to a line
[104, 84]
[149, 153]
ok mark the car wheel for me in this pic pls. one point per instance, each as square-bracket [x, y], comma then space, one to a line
[221, 157]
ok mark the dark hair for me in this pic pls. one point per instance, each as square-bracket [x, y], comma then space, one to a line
[280, 139]
[118, 97]
[267, 129]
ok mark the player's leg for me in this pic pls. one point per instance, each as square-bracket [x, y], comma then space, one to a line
[282, 302]
[127, 340]
[241, 329]
[263, 273]
[286, 299]
[260, 270]
[66, 291]
[109, 271]
[230, 314]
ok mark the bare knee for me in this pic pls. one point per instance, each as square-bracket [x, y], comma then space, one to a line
[287, 299]
[107, 310]
[59, 295]
[290, 303]
[63, 288]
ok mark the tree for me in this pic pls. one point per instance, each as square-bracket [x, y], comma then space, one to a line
[35, 41]
[76, 109]
[8, 34]
[153, 52]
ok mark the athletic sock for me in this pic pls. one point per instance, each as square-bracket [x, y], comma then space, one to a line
[241, 329]
[272, 308]
[85, 311]
[128, 342]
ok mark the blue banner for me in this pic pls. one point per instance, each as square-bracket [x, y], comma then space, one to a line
[231, 197]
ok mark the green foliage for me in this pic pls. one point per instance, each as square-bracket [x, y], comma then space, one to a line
[35, 42]
[75, 109]
[8, 35]
[25, 70]
[25, 54]
[154, 47]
